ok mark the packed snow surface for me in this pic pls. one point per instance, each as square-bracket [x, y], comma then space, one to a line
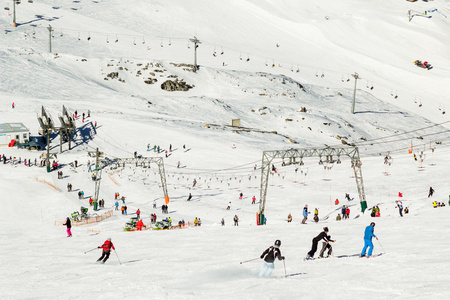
[286, 70]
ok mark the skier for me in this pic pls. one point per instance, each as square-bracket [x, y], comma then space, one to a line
[236, 220]
[347, 212]
[368, 235]
[139, 225]
[305, 214]
[431, 192]
[222, 222]
[240, 196]
[323, 235]
[336, 202]
[138, 213]
[69, 225]
[400, 207]
[107, 245]
[117, 205]
[229, 206]
[194, 183]
[325, 246]
[125, 209]
[289, 219]
[253, 200]
[190, 197]
[269, 257]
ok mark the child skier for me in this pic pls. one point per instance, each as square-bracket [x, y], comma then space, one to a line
[368, 235]
[107, 245]
[269, 257]
[69, 225]
[323, 235]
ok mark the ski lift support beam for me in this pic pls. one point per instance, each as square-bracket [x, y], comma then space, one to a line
[293, 154]
[139, 161]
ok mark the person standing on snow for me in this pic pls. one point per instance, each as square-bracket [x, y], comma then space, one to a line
[138, 213]
[322, 236]
[269, 257]
[431, 192]
[305, 214]
[69, 225]
[107, 245]
[139, 225]
[400, 207]
[368, 235]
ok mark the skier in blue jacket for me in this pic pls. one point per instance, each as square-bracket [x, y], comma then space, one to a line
[368, 235]
[305, 214]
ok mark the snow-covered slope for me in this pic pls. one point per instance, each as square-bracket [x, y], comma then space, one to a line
[269, 57]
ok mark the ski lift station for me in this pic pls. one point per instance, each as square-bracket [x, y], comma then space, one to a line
[13, 131]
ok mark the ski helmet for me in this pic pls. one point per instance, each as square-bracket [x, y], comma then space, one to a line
[278, 243]
[325, 229]
[372, 224]
[108, 239]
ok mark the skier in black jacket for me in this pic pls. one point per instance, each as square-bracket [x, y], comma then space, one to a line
[323, 235]
[269, 257]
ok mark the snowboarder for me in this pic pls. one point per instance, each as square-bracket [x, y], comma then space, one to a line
[368, 235]
[323, 235]
[431, 192]
[305, 214]
[190, 197]
[69, 225]
[269, 257]
[107, 245]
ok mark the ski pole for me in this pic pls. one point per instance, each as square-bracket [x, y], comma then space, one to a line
[117, 256]
[90, 250]
[284, 264]
[380, 245]
[246, 261]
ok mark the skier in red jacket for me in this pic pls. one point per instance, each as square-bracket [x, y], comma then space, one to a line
[107, 245]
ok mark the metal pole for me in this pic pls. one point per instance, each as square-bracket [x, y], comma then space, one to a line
[14, 13]
[354, 92]
[50, 38]
[196, 42]
[48, 153]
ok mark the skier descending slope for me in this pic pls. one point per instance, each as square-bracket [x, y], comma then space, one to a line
[269, 257]
[107, 245]
[368, 235]
[323, 235]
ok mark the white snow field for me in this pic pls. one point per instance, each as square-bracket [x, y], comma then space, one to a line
[270, 77]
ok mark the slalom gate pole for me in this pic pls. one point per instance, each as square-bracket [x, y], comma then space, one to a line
[381, 246]
[90, 250]
[117, 256]
[284, 264]
[246, 261]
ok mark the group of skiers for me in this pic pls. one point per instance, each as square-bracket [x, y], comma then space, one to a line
[272, 253]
